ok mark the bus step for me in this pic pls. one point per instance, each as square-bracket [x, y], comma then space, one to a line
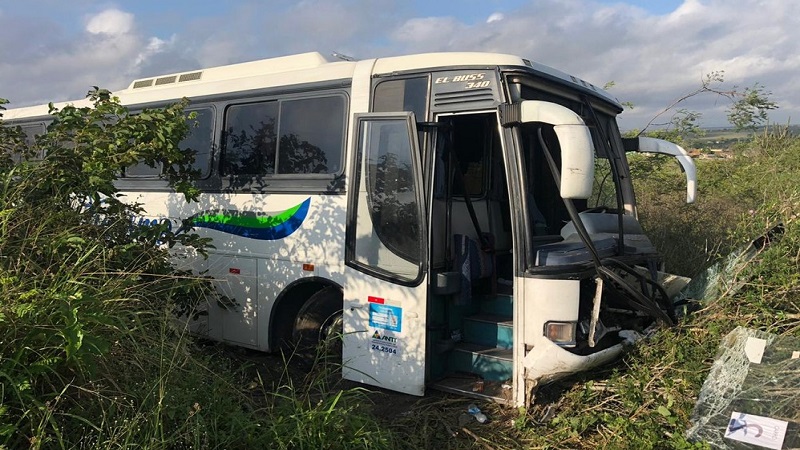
[499, 304]
[489, 330]
[473, 386]
[490, 363]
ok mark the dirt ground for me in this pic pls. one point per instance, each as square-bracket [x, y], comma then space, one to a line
[435, 417]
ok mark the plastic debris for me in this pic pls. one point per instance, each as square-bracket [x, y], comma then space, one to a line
[475, 412]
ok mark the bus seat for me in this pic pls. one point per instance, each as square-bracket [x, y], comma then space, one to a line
[473, 263]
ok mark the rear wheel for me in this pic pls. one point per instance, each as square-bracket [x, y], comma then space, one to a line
[317, 329]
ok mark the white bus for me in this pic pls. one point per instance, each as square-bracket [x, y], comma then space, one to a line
[441, 211]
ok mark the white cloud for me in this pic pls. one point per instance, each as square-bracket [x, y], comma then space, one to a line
[429, 33]
[495, 17]
[154, 46]
[110, 21]
[62, 64]
[653, 58]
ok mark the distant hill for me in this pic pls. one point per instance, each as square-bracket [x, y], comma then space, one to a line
[722, 139]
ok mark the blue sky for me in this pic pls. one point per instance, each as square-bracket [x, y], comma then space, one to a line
[654, 51]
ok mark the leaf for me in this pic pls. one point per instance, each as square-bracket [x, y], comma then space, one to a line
[664, 411]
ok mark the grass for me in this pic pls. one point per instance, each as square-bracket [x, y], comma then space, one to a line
[646, 400]
[90, 356]
[90, 353]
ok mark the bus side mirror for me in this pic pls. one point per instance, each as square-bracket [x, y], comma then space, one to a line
[577, 149]
[651, 145]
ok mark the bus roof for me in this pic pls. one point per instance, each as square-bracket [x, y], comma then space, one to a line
[304, 68]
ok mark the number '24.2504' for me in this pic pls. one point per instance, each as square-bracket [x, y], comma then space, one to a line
[381, 348]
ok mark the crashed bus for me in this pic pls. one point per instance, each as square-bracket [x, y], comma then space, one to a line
[458, 221]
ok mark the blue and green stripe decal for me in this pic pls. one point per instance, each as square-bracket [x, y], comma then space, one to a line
[267, 227]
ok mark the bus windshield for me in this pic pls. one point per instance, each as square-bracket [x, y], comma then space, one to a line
[612, 194]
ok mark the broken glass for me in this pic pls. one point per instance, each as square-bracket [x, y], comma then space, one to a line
[751, 399]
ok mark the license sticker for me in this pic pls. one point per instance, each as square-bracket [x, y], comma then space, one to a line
[386, 317]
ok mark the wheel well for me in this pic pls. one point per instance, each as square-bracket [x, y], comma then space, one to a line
[288, 304]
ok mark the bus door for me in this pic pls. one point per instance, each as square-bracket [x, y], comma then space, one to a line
[385, 288]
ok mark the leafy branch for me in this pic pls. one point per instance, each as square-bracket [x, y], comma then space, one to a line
[749, 108]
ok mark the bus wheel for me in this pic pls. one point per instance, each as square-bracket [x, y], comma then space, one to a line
[318, 327]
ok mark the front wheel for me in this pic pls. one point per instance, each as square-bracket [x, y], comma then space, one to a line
[317, 329]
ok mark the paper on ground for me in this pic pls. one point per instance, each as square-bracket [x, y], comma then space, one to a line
[762, 431]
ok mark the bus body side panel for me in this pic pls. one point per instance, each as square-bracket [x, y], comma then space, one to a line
[298, 236]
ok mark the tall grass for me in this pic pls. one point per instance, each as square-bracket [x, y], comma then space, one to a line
[91, 355]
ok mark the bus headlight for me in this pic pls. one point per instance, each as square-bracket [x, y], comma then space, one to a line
[561, 333]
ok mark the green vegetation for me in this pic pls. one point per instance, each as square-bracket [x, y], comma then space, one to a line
[90, 353]
[90, 356]
[646, 401]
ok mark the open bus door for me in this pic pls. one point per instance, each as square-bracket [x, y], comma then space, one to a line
[385, 288]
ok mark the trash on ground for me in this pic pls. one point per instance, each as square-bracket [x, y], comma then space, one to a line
[475, 412]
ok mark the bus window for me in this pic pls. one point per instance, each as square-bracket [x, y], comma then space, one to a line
[30, 131]
[387, 220]
[199, 139]
[142, 170]
[312, 135]
[250, 144]
[408, 94]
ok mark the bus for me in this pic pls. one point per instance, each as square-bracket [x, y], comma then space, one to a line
[455, 221]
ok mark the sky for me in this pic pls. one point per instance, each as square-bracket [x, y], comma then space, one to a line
[653, 51]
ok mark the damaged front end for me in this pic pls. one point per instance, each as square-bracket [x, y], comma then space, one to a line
[588, 297]
[590, 281]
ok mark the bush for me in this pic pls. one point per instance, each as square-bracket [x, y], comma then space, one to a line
[91, 355]
[82, 290]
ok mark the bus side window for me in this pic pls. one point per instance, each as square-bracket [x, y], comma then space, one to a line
[407, 94]
[30, 131]
[312, 135]
[250, 141]
[199, 139]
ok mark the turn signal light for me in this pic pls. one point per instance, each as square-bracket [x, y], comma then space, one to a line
[561, 333]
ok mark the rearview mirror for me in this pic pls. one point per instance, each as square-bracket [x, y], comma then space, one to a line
[651, 145]
[577, 150]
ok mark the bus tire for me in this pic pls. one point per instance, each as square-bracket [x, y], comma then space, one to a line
[317, 331]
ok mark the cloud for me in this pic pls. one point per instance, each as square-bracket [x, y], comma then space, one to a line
[495, 17]
[110, 21]
[652, 58]
[62, 64]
